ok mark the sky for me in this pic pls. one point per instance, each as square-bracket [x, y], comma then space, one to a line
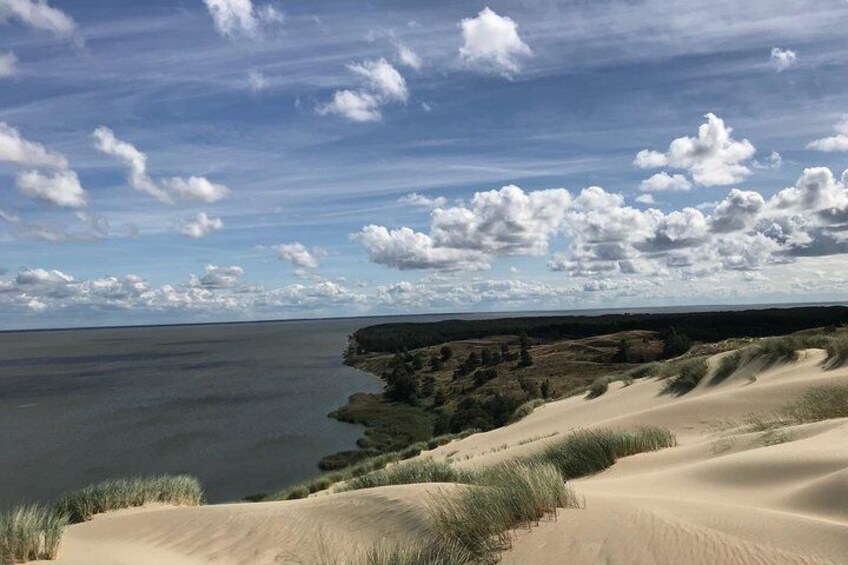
[177, 161]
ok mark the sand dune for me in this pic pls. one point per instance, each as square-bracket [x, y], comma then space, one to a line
[722, 496]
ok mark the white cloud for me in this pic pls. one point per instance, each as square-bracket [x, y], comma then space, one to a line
[191, 188]
[8, 65]
[257, 80]
[738, 211]
[197, 188]
[405, 249]
[40, 15]
[355, 106]
[241, 17]
[408, 57]
[665, 182]
[383, 79]
[773, 162]
[17, 150]
[62, 188]
[26, 277]
[201, 226]
[384, 85]
[135, 160]
[645, 199]
[783, 59]
[218, 277]
[713, 158]
[491, 42]
[297, 254]
[422, 201]
[501, 222]
[838, 142]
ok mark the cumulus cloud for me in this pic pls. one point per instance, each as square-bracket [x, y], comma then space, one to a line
[422, 201]
[201, 226]
[133, 159]
[408, 57]
[218, 277]
[508, 221]
[383, 79]
[40, 15]
[838, 142]
[738, 211]
[783, 59]
[713, 158]
[355, 106]
[665, 182]
[645, 199]
[19, 151]
[297, 254]
[241, 17]
[8, 65]
[62, 188]
[383, 85]
[491, 42]
[192, 188]
[197, 188]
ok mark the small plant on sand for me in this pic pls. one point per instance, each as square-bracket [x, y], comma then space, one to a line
[525, 410]
[598, 387]
[30, 532]
[589, 451]
[412, 472]
[728, 365]
[115, 494]
[837, 352]
[480, 518]
[689, 374]
[418, 554]
[820, 403]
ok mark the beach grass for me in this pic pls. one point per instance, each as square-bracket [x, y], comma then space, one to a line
[686, 376]
[114, 494]
[479, 518]
[819, 403]
[728, 365]
[30, 532]
[837, 351]
[411, 472]
[590, 451]
[418, 554]
[525, 410]
[598, 387]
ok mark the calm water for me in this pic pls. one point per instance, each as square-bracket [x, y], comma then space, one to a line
[241, 406]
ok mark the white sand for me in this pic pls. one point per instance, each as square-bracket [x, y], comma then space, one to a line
[720, 497]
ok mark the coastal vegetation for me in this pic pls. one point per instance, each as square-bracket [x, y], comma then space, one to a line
[31, 532]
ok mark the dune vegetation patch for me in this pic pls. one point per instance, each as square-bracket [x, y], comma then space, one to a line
[526, 409]
[837, 352]
[418, 554]
[30, 532]
[115, 494]
[480, 519]
[598, 387]
[686, 376]
[411, 472]
[590, 451]
[819, 403]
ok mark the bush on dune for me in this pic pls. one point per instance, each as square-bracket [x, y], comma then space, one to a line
[525, 410]
[837, 352]
[30, 532]
[115, 494]
[598, 387]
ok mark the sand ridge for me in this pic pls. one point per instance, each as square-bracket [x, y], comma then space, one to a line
[722, 496]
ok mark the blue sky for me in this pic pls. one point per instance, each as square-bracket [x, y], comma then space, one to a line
[256, 159]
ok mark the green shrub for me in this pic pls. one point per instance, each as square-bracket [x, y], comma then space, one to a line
[585, 452]
[412, 472]
[115, 494]
[646, 370]
[525, 410]
[30, 532]
[598, 387]
[688, 374]
[820, 403]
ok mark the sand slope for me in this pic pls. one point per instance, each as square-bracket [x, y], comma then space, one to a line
[721, 496]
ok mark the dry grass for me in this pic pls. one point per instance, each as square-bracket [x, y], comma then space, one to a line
[30, 532]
